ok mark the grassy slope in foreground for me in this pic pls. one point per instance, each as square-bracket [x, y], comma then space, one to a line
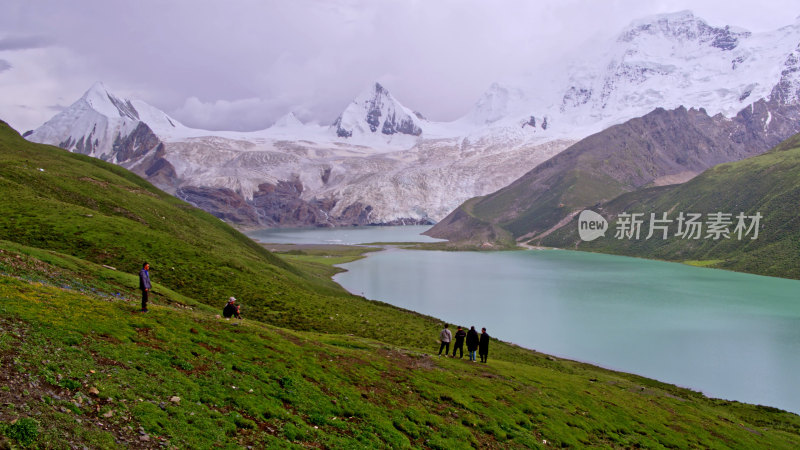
[88, 371]
[768, 184]
[68, 328]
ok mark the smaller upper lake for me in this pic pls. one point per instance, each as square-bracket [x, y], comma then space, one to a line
[343, 236]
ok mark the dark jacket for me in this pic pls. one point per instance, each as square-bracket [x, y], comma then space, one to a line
[144, 279]
[231, 309]
[472, 340]
[460, 335]
[483, 346]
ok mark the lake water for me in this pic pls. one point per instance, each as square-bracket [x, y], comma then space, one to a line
[729, 335]
[348, 236]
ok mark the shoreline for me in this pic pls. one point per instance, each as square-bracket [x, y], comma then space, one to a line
[365, 250]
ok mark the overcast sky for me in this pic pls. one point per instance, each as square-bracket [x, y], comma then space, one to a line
[240, 65]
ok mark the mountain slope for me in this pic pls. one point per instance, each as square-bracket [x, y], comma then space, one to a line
[100, 212]
[663, 147]
[104, 126]
[767, 184]
[79, 369]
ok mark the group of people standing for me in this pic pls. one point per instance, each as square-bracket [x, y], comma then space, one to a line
[473, 341]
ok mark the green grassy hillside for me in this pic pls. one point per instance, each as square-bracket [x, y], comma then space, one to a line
[99, 212]
[81, 368]
[311, 366]
[768, 184]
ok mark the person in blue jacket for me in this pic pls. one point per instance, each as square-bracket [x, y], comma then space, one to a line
[144, 284]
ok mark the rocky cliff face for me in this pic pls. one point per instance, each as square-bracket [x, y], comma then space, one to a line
[281, 205]
[135, 144]
[221, 202]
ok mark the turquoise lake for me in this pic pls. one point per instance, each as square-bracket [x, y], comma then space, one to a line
[729, 335]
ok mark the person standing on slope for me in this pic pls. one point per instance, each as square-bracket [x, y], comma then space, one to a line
[483, 345]
[472, 343]
[144, 284]
[459, 345]
[445, 337]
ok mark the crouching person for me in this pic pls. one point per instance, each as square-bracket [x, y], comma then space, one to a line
[231, 309]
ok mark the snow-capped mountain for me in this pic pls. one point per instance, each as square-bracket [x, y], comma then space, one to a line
[381, 162]
[376, 112]
[105, 126]
[91, 124]
[666, 61]
[289, 121]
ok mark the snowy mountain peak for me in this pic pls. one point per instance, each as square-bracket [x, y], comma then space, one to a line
[375, 110]
[499, 101]
[100, 98]
[287, 121]
[103, 125]
[666, 60]
[684, 26]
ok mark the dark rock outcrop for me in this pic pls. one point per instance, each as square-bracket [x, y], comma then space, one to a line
[143, 153]
[405, 126]
[280, 205]
[341, 132]
[155, 167]
[221, 202]
[136, 144]
[531, 122]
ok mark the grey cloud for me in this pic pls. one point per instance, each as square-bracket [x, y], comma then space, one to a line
[237, 115]
[25, 42]
[252, 61]
[4, 65]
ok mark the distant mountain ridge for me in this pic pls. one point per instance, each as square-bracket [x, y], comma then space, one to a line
[295, 174]
[663, 147]
[381, 162]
